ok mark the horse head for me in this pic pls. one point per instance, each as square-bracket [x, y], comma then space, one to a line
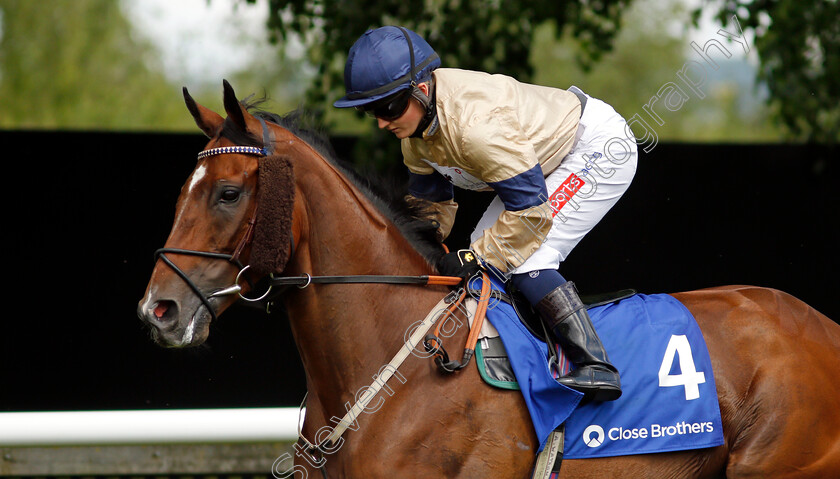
[219, 231]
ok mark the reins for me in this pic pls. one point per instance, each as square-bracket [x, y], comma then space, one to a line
[306, 280]
[432, 342]
[282, 281]
[434, 316]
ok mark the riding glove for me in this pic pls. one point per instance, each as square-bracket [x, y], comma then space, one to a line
[462, 264]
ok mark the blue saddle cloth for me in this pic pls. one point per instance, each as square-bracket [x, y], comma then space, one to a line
[669, 401]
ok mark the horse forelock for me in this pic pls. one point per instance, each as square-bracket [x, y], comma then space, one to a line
[238, 136]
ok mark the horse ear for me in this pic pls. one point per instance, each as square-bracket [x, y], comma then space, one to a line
[234, 110]
[208, 120]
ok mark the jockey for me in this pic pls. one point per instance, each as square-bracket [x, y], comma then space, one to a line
[557, 160]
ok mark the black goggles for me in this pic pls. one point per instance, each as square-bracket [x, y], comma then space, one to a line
[389, 108]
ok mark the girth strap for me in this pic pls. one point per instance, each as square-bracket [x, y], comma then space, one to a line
[550, 458]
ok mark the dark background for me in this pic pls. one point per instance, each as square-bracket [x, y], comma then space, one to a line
[89, 209]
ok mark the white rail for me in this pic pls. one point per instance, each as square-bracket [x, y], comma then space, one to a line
[171, 426]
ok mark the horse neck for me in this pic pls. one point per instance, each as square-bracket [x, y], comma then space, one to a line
[346, 333]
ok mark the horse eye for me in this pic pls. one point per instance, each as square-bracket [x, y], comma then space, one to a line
[229, 195]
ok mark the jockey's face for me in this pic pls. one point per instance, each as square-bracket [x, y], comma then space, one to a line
[406, 124]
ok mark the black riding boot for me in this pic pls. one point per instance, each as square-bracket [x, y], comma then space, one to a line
[566, 316]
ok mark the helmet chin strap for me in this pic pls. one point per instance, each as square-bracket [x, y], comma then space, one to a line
[418, 94]
[428, 103]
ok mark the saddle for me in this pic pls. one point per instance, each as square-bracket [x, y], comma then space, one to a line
[647, 335]
[495, 368]
[491, 357]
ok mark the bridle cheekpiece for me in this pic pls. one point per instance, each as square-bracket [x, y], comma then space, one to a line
[233, 258]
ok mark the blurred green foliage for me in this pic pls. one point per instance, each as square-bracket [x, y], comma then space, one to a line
[797, 43]
[489, 35]
[82, 64]
[472, 34]
[75, 65]
[651, 48]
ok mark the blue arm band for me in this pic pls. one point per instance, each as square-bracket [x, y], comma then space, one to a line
[523, 191]
[433, 187]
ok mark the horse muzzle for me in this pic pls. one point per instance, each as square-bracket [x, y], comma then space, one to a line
[175, 325]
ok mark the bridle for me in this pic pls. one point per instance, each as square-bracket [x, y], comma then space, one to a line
[205, 298]
[418, 335]
[265, 150]
[302, 281]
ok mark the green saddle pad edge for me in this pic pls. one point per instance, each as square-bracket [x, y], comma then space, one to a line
[482, 371]
[591, 301]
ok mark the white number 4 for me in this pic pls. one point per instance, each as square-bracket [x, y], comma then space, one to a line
[689, 377]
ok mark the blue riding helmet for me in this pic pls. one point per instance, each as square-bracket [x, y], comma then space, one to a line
[384, 61]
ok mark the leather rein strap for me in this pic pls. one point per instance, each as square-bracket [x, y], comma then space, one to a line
[433, 343]
[299, 281]
[418, 335]
[306, 280]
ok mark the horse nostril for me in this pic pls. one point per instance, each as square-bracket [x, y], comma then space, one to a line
[164, 311]
[160, 309]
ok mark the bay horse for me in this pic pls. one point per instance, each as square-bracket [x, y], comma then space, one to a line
[775, 359]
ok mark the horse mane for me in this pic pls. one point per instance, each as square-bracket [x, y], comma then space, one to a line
[387, 195]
